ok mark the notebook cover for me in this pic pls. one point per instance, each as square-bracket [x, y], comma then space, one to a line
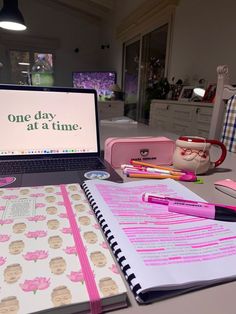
[43, 259]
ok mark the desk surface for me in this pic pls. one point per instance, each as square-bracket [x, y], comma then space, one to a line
[219, 299]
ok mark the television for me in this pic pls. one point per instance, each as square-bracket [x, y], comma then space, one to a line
[101, 81]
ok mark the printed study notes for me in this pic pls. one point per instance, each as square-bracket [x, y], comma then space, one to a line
[53, 256]
[162, 253]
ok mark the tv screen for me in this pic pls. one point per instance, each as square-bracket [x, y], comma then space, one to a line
[101, 81]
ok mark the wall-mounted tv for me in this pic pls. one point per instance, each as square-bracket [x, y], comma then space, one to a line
[99, 80]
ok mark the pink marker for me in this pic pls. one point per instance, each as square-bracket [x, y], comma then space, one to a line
[178, 202]
[204, 210]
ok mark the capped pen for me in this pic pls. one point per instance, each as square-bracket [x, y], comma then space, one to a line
[145, 164]
[193, 208]
[160, 170]
[180, 177]
[148, 170]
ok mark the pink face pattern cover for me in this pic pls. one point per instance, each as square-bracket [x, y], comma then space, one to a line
[39, 257]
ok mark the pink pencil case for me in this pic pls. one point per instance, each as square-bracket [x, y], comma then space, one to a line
[155, 150]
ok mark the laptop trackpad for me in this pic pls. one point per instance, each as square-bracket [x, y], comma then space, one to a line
[49, 178]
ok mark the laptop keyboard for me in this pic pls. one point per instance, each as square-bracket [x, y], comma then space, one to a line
[50, 165]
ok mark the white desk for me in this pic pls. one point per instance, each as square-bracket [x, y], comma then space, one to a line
[214, 300]
[129, 129]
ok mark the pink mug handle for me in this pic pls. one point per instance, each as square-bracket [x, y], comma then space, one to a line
[223, 151]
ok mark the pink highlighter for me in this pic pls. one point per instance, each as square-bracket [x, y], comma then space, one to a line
[204, 210]
[193, 208]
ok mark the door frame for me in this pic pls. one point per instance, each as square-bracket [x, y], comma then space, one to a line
[125, 45]
[166, 19]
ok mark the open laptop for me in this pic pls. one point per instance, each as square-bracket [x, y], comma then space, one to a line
[50, 136]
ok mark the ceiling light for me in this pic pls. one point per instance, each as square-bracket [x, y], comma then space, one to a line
[11, 17]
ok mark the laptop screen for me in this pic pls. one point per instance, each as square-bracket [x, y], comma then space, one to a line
[39, 121]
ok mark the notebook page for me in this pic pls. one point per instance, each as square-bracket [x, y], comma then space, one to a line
[165, 249]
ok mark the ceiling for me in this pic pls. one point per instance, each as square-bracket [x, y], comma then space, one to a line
[96, 9]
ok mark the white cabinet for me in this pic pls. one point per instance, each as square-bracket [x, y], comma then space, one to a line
[160, 115]
[184, 118]
[203, 120]
[110, 109]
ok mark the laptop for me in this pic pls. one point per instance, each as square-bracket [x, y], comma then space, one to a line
[50, 135]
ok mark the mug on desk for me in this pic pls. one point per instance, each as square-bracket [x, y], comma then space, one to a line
[192, 153]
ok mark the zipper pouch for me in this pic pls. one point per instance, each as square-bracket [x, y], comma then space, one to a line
[155, 150]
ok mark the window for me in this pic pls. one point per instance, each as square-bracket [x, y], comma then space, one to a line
[131, 77]
[151, 23]
[153, 64]
[21, 63]
[144, 66]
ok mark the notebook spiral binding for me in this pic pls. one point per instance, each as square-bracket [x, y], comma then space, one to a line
[130, 277]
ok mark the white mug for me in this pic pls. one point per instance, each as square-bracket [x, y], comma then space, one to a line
[192, 153]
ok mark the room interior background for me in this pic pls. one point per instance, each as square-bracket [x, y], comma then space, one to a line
[96, 35]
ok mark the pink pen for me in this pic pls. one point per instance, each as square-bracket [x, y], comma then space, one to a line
[158, 199]
[128, 168]
[155, 170]
[144, 170]
[133, 171]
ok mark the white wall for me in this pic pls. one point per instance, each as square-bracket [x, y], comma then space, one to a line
[72, 31]
[204, 37]
[113, 57]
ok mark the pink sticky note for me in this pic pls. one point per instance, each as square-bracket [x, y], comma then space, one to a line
[7, 181]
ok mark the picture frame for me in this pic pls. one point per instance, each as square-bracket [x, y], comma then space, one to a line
[176, 90]
[210, 93]
[186, 93]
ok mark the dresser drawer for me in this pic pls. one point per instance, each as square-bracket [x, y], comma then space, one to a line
[182, 128]
[110, 109]
[183, 114]
[203, 114]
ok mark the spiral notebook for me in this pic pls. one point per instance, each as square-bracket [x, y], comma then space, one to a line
[162, 254]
